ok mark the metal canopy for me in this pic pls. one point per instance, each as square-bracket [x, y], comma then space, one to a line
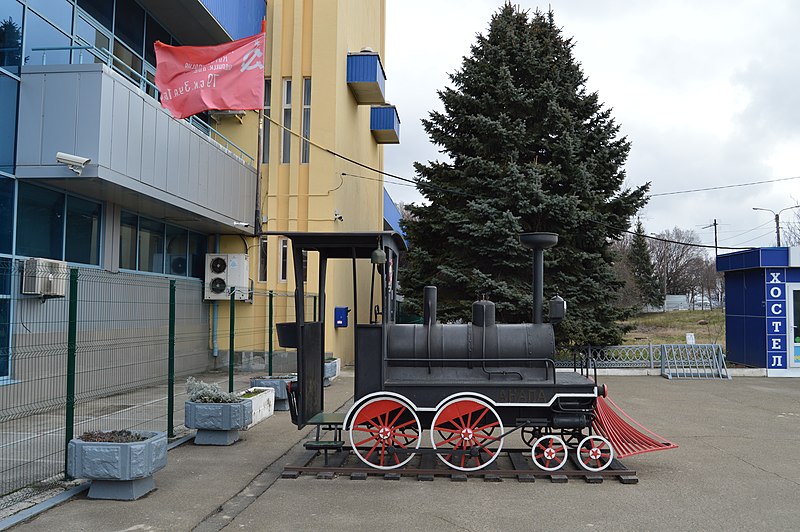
[311, 335]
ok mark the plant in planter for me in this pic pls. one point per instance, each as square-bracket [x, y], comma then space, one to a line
[263, 400]
[218, 416]
[332, 367]
[277, 383]
[119, 463]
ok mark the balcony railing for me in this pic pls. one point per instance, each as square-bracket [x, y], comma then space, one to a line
[149, 88]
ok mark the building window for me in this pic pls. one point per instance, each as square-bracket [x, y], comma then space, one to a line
[101, 10]
[286, 142]
[262, 261]
[304, 147]
[8, 121]
[5, 316]
[129, 228]
[129, 24]
[10, 36]
[59, 12]
[284, 263]
[41, 34]
[6, 214]
[151, 246]
[53, 225]
[176, 245]
[83, 231]
[40, 222]
[197, 255]
[267, 114]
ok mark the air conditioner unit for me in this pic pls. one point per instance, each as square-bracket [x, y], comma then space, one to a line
[44, 277]
[226, 272]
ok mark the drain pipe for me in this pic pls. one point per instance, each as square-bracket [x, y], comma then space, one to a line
[215, 312]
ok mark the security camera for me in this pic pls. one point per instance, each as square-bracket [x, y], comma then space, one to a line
[337, 216]
[76, 163]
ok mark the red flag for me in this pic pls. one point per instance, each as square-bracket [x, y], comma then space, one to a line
[193, 79]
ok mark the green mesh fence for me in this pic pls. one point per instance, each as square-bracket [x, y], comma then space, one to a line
[85, 349]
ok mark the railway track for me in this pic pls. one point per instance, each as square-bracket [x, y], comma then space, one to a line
[511, 464]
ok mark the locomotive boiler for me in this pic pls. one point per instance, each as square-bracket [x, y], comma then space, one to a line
[456, 390]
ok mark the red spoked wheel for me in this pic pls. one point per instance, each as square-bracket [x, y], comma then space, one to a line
[471, 430]
[384, 432]
[595, 453]
[549, 453]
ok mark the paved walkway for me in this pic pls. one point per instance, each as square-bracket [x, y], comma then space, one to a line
[738, 468]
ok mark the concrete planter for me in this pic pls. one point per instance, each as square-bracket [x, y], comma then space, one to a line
[120, 471]
[217, 423]
[263, 403]
[332, 368]
[279, 384]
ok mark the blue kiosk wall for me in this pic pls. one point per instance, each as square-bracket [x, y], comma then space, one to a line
[762, 309]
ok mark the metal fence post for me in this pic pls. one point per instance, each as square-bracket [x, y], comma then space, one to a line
[230, 350]
[72, 347]
[271, 324]
[171, 363]
[650, 352]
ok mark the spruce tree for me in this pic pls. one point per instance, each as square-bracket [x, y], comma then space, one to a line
[641, 265]
[530, 149]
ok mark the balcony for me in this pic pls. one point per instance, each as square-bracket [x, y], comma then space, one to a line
[385, 124]
[141, 157]
[366, 78]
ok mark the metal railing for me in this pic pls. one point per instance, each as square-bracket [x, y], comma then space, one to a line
[111, 351]
[650, 356]
[150, 89]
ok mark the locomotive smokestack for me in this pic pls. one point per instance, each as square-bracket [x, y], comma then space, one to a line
[538, 242]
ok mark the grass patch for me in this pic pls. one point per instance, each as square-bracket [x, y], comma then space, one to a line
[708, 327]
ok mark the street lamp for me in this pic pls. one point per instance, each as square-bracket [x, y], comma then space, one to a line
[777, 220]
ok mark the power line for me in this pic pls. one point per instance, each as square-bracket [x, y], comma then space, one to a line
[462, 193]
[768, 233]
[723, 186]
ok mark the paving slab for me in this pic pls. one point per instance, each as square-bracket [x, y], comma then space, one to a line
[737, 468]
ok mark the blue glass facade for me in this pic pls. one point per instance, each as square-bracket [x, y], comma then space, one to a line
[48, 222]
[240, 19]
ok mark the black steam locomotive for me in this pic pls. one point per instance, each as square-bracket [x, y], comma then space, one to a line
[454, 390]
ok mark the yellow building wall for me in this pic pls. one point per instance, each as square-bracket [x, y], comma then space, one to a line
[311, 39]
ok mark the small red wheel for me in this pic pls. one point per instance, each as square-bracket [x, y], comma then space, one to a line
[383, 432]
[549, 453]
[471, 429]
[595, 453]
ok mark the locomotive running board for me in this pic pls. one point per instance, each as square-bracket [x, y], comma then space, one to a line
[345, 463]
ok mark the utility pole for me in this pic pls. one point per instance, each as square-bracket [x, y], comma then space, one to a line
[777, 220]
[716, 251]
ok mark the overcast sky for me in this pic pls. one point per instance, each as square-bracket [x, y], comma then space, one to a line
[707, 92]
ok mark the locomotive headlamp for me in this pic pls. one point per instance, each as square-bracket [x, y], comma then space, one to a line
[378, 256]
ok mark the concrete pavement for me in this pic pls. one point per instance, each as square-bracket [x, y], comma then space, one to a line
[737, 468]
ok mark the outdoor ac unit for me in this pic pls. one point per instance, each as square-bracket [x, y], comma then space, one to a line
[226, 272]
[44, 277]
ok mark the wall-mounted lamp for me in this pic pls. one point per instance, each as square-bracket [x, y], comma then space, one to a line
[378, 256]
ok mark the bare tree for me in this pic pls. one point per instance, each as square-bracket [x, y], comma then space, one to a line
[791, 230]
[676, 259]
